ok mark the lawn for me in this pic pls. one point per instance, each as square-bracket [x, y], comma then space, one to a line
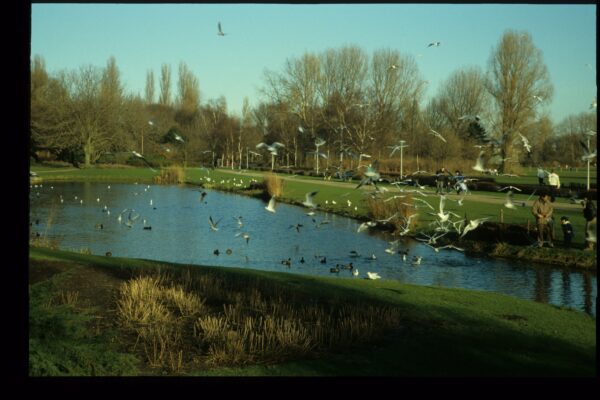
[440, 331]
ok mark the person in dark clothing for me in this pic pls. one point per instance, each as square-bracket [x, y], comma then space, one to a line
[567, 229]
[440, 180]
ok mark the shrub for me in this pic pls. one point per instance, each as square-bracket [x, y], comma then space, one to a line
[273, 185]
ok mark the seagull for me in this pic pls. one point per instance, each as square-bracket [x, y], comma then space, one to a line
[434, 44]
[479, 163]
[423, 201]
[373, 275]
[213, 225]
[389, 218]
[271, 206]
[473, 224]
[365, 225]
[509, 200]
[239, 221]
[417, 260]
[393, 66]
[451, 246]
[309, 202]
[138, 155]
[272, 147]
[220, 31]
[525, 143]
[509, 187]
[244, 235]
[178, 138]
[394, 197]
[587, 155]
[538, 98]
[371, 176]
[355, 272]
[437, 134]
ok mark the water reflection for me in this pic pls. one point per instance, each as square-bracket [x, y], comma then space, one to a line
[181, 233]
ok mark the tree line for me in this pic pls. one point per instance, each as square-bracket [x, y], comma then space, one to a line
[358, 104]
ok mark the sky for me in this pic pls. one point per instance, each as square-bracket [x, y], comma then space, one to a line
[260, 37]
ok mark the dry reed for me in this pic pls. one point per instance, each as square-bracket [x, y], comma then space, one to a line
[174, 174]
[273, 185]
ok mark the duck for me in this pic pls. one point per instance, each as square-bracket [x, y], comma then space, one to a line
[287, 263]
[302, 260]
[216, 252]
[108, 254]
[228, 251]
[99, 226]
[335, 269]
[417, 260]
[148, 228]
[324, 260]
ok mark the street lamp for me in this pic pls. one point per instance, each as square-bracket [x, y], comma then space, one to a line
[589, 134]
[402, 146]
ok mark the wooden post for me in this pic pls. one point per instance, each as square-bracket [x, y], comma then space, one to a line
[501, 215]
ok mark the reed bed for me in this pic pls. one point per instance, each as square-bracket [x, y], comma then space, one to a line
[171, 175]
[273, 185]
[199, 318]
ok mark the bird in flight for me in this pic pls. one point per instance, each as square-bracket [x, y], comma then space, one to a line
[538, 98]
[271, 206]
[272, 147]
[138, 155]
[525, 143]
[309, 202]
[473, 224]
[588, 155]
[509, 200]
[220, 32]
[509, 187]
[437, 134]
[434, 44]
[213, 224]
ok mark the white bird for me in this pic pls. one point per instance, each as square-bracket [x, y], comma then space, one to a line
[355, 272]
[587, 155]
[538, 98]
[525, 143]
[365, 225]
[271, 206]
[243, 235]
[220, 31]
[309, 200]
[394, 197]
[510, 188]
[434, 44]
[509, 200]
[417, 260]
[138, 155]
[178, 138]
[479, 163]
[373, 275]
[273, 147]
[213, 225]
[371, 176]
[443, 216]
[473, 224]
[451, 246]
[424, 202]
[393, 66]
[437, 134]
[594, 104]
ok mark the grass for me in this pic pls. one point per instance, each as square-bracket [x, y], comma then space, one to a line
[419, 330]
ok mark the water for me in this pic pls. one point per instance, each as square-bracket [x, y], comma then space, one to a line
[181, 233]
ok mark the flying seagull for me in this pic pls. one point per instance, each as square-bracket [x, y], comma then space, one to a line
[473, 224]
[309, 202]
[271, 147]
[525, 143]
[509, 200]
[437, 134]
[213, 224]
[588, 155]
[220, 32]
[434, 44]
[138, 155]
[479, 163]
[271, 206]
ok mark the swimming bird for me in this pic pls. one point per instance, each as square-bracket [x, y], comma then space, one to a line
[437, 135]
[373, 275]
[213, 224]
[416, 260]
[355, 272]
[473, 224]
[434, 44]
[287, 263]
[404, 254]
[219, 30]
[244, 235]
[271, 206]
[334, 270]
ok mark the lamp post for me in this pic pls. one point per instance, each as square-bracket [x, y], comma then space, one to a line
[402, 146]
[589, 134]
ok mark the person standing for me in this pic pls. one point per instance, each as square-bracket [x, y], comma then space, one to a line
[541, 174]
[589, 213]
[554, 183]
[440, 180]
[542, 210]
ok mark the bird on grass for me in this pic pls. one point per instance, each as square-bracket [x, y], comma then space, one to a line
[373, 275]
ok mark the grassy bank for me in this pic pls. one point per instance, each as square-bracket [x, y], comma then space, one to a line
[382, 328]
[343, 199]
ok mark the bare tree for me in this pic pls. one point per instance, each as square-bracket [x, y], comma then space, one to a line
[165, 85]
[519, 83]
[150, 87]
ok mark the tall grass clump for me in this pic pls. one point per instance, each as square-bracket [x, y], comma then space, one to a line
[380, 209]
[273, 185]
[174, 174]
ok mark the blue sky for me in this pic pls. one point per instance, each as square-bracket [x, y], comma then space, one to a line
[262, 36]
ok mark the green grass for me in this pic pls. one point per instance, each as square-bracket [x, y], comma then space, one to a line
[442, 331]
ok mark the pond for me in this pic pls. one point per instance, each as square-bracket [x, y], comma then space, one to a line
[172, 225]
